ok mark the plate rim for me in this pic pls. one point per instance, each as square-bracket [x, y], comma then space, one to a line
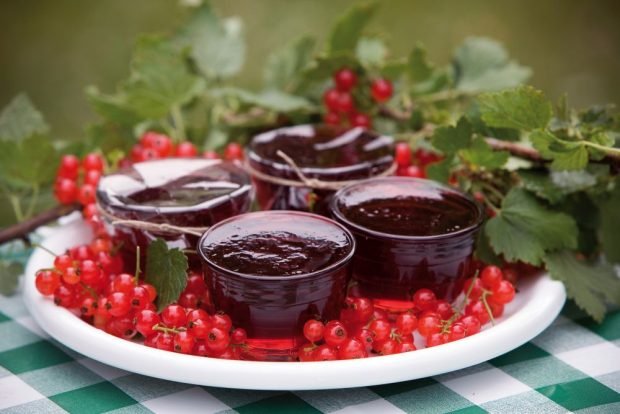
[544, 304]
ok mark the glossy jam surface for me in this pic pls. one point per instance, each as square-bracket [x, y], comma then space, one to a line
[409, 210]
[324, 152]
[410, 234]
[272, 271]
[178, 191]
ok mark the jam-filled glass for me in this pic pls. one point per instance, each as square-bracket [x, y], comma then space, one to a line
[411, 233]
[323, 152]
[188, 193]
[272, 271]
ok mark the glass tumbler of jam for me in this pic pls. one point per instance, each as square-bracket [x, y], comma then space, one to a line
[272, 271]
[322, 152]
[411, 234]
[176, 198]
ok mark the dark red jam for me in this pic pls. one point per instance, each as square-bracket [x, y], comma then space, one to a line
[178, 191]
[272, 271]
[324, 152]
[410, 234]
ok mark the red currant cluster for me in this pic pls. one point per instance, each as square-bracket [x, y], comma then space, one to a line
[340, 103]
[89, 280]
[72, 172]
[153, 145]
[364, 330]
[413, 164]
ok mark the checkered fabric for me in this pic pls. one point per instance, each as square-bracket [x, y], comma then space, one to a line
[574, 366]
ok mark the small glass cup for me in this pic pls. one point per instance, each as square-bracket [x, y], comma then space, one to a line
[323, 152]
[272, 271]
[411, 234]
[182, 192]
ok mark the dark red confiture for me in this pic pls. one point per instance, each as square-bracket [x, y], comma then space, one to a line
[324, 152]
[184, 192]
[411, 234]
[272, 271]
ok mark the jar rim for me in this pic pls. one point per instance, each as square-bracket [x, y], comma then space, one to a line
[319, 272]
[341, 218]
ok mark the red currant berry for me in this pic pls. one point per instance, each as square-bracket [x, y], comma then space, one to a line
[360, 120]
[47, 281]
[100, 245]
[90, 211]
[380, 314]
[136, 153]
[406, 323]
[200, 348]
[69, 167]
[444, 309]
[233, 151]
[188, 300]
[86, 194]
[66, 191]
[238, 336]
[381, 90]
[70, 276]
[429, 324]
[477, 309]
[118, 304]
[472, 325]
[81, 253]
[89, 272]
[345, 103]
[217, 340]
[121, 327]
[402, 154]
[473, 287]
[345, 79]
[426, 157]
[352, 349]
[174, 316]
[184, 342]
[424, 299]
[325, 353]
[151, 289]
[110, 264]
[380, 329]
[147, 154]
[503, 293]
[458, 331]
[363, 309]
[93, 161]
[186, 149]
[196, 314]
[497, 309]
[62, 262]
[365, 336]
[389, 347]
[334, 333]
[151, 340]
[406, 347]
[222, 321]
[313, 330]
[139, 297]
[211, 155]
[414, 171]
[196, 284]
[123, 283]
[165, 341]
[88, 306]
[305, 352]
[435, 339]
[160, 143]
[491, 276]
[331, 118]
[64, 296]
[145, 321]
[330, 99]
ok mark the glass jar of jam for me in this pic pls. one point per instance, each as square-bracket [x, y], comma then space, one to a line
[190, 194]
[272, 271]
[322, 152]
[411, 234]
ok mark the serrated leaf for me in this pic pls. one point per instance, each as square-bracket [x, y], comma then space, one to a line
[419, 68]
[521, 108]
[600, 138]
[9, 276]
[394, 69]
[541, 140]
[450, 139]
[482, 155]
[526, 230]
[569, 159]
[29, 162]
[166, 269]
[440, 171]
[591, 286]
[348, 28]
[271, 99]
[159, 79]
[216, 139]
[283, 67]
[483, 64]
[609, 229]
[484, 251]
[540, 183]
[20, 119]
[113, 108]
[371, 51]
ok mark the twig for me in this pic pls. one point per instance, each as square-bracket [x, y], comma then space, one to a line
[22, 229]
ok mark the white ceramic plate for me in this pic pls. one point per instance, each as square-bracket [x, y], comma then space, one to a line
[536, 305]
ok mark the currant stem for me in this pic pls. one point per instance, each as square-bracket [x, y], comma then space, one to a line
[161, 328]
[137, 273]
[45, 249]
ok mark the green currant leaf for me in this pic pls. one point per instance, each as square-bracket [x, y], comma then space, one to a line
[284, 66]
[113, 108]
[159, 79]
[482, 64]
[166, 269]
[440, 171]
[540, 183]
[419, 68]
[600, 138]
[569, 158]
[591, 286]
[371, 51]
[271, 99]
[541, 140]
[450, 139]
[29, 162]
[521, 108]
[526, 230]
[609, 229]
[9, 276]
[347, 30]
[482, 155]
[20, 119]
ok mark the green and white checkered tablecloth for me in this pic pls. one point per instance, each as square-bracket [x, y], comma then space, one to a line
[574, 366]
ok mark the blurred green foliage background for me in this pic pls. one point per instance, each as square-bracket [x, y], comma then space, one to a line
[53, 49]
